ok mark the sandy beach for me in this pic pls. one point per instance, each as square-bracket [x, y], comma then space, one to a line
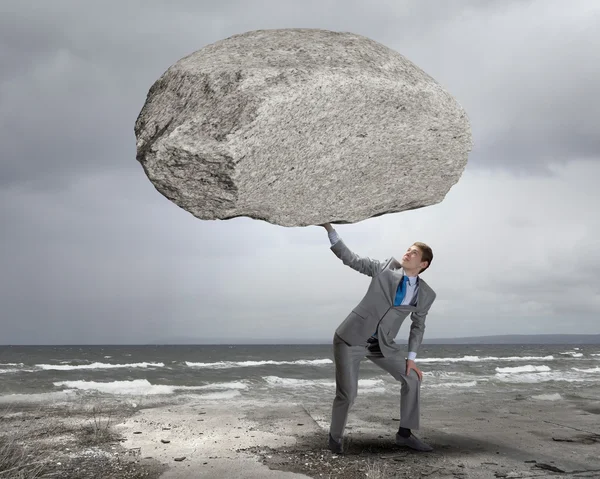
[474, 437]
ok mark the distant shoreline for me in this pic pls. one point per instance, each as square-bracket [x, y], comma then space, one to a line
[545, 339]
[507, 339]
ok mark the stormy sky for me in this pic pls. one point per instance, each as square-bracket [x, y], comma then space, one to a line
[91, 253]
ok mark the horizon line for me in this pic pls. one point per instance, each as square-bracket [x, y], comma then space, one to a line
[285, 343]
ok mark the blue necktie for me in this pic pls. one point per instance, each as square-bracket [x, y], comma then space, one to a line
[400, 292]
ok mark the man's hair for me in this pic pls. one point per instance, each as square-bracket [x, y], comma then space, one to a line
[426, 254]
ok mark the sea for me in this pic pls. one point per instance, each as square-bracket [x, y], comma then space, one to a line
[236, 373]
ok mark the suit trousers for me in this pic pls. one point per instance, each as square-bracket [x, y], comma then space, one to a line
[347, 361]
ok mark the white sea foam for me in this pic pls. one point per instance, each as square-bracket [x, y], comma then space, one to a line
[548, 397]
[591, 370]
[143, 387]
[374, 391]
[595, 354]
[304, 383]
[469, 384]
[11, 364]
[66, 367]
[540, 377]
[245, 364]
[477, 359]
[524, 369]
[296, 383]
[107, 357]
[229, 385]
[370, 383]
[441, 374]
[573, 354]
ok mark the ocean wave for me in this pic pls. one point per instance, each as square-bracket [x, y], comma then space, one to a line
[469, 384]
[6, 371]
[218, 386]
[374, 391]
[524, 369]
[66, 367]
[573, 354]
[591, 370]
[246, 364]
[441, 374]
[370, 383]
[14, 370]
[595, 354]
[476, 359]
[143, 387]
[297, 383]
[540, 377]
[548, 397]
[303, 383]
[11, 364]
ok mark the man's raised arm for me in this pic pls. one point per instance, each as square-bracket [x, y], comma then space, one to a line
[368, 266]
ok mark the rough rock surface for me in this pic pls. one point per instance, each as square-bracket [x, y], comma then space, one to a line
[300, 127]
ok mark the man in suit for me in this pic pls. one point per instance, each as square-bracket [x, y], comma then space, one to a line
[396, 290]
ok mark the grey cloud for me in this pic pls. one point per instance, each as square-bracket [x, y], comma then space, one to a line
[531, 90]
[91, 252]
[75, 75]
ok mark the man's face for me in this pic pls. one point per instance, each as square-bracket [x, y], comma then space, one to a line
[412, 259]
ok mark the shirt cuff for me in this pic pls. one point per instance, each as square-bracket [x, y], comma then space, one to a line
[412, 355]
[333, 237]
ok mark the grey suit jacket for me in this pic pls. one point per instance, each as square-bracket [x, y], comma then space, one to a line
[376, 311]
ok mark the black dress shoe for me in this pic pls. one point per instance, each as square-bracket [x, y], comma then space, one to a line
[335, 446]
[413, 442]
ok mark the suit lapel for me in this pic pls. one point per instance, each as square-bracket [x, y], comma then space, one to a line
[423, 289]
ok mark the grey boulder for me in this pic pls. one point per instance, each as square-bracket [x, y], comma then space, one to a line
[300, 127]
